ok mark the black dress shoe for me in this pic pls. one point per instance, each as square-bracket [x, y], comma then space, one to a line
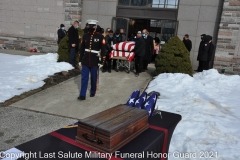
[92, 95]
[81, 98]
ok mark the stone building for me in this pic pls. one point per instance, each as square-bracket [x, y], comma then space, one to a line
[227, 55]
[26, 24]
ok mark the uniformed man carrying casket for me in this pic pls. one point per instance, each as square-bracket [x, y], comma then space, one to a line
[91, 45]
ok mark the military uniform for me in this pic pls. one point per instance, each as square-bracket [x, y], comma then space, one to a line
[91, 45]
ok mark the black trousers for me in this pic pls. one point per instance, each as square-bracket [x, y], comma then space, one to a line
[145, 64]
[73, 56]
[138, 64]
[206, 66]
[114, 63]
[108, 63]
[153, 57]
[203, 65]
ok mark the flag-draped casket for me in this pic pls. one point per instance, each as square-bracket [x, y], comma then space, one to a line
[123, 49]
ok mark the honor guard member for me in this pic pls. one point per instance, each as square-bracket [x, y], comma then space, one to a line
[92, 46]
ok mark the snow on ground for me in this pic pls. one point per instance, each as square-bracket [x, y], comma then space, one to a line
[209, 103]
[19, 74]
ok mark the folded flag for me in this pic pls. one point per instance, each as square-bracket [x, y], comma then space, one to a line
[150, 104]
[74, 125]
[141, 100]
[124, 46]
[133, 98]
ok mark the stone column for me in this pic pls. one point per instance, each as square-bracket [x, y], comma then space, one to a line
[227, 54]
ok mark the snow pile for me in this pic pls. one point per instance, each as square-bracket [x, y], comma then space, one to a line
[19, 74]
[210, 107]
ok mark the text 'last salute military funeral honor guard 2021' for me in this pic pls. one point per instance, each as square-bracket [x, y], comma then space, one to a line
[92, 48]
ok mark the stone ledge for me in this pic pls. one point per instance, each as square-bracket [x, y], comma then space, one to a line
[234, 3]
[224, 59]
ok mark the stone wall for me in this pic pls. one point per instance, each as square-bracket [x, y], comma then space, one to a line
[73, 11]
[227, 54]
[198, 17]
[28, 24]
[23, 43]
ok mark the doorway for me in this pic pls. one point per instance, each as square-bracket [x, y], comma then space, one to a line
[163, 29]
[139, 24]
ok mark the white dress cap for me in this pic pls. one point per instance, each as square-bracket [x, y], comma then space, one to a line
[91, 21]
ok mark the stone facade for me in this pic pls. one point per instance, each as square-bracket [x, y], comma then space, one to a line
[27, 24]
[227, 55]
[73, 11]
[27, 43]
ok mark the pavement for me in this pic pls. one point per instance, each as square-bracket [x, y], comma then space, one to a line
[58, 106]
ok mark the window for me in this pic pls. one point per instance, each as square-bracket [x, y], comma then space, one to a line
[150, 3]
[171, 4]
[155, 23]
[139, 2]
[168, 30]
[158, 3]
[124, 2]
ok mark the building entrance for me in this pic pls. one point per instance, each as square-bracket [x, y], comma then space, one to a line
[163, 29]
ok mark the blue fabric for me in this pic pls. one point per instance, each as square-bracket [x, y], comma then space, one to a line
[141, 100]
[72, 56]
[150, 104]
[134, 96]
[85, 77]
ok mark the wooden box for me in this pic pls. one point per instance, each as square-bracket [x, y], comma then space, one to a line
[111, 129]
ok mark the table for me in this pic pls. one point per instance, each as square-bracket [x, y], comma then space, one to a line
[151, 144]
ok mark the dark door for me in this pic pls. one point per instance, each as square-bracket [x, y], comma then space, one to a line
[120, 23]
[169, 29]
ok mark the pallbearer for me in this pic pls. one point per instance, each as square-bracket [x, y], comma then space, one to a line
[91, 45]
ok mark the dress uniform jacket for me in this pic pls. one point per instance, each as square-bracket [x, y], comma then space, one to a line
[92, 45]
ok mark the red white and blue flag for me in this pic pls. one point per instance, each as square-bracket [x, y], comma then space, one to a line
[141, 100]
[124, 46]
[134, 96]
[150, 103]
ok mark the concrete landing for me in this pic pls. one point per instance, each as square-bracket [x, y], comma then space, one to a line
[115, 88]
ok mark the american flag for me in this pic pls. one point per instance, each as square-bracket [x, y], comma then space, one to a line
[128, 55]
[124, 46]
[141, 100]
[133, 98]
[149, 105]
